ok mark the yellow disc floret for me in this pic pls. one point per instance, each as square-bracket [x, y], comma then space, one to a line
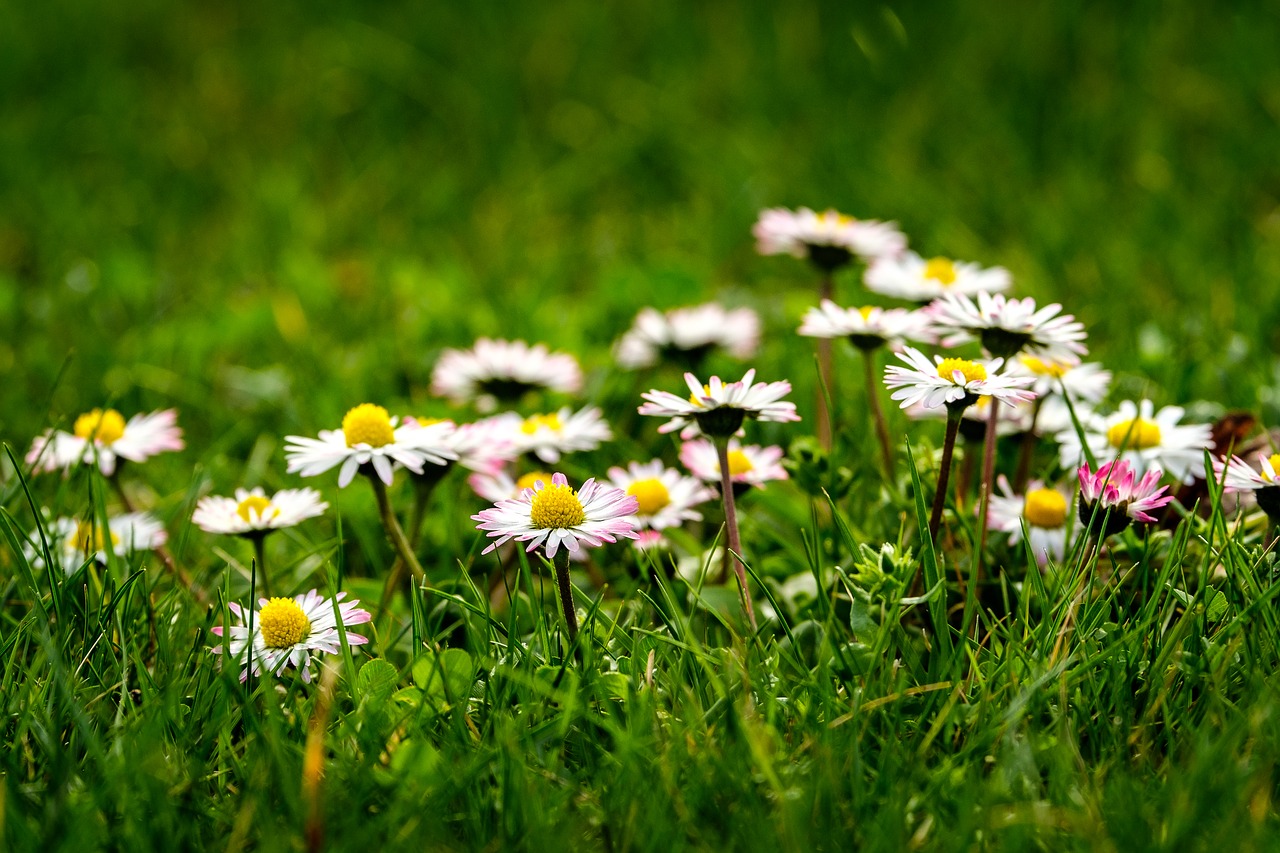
[256, 505]
[556, 507]
[1044, 367]
[739, 463]
[941, 270]
[106, 426]
[92, 538]
[368, 424]
[1275, 466]
[282, 623]
[970, 370]
[536, 422]
[651, 495]
[1137, 434]
[866, 310]
[528, 481]
[1045, 508]
[693, 398]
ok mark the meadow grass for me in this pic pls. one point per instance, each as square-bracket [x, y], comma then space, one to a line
[264, 214]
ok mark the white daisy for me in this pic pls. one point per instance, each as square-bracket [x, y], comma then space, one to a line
[1084, 383]
[104, 434]
[952, 381]
[828, 239]
[554, 514]
[252, 513]
[1148, 439]
[651, 540]
[718, 408]
[1237, 475]
[869, 327]
[688, 334]
[1007, 327]
[485, 445]
[665, 497]
[750, 465]
[76, 541]
[290, 632]
[550, 436]
[909, 276]
[369, 436]
[1045, 512]
[496, 370]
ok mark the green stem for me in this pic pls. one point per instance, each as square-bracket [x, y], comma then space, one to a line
[944, 472]
[423, 486]
[732, 543]
[988, 474]
[561, 563]
[826, 368]
[877, 413]
[394, 532]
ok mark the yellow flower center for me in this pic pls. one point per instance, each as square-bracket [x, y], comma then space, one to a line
[739, 463]
[1045, 508]
[92, 538]
[535, 422]
[941, 270]
[368, 424]
[651, 494]
[105, 426]
[1041, 367]
[693, 398]
[422, 422]
[528, 481]
[865, 311]
[282, 623]
[556, 507]
[837, 217]
[1275, 464]
[1137, 434]
[970, 370]
[256, 504]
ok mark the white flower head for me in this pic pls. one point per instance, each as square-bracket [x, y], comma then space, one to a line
[718, 408]
[952, 381]
[1144, 438]
[485, 445]
[911, 277]
[688, 334]
[749, 465]
[369, 436]
[550, 436]
[1045, 511]
[828, 239]
[1007, 327]
[1083, 383]
[103, 435]
[76, 541]
[869, 327]
[252, 513]
[665, 497]
[498, 370]
[289, 632]
[554, 515]
[1237, 475]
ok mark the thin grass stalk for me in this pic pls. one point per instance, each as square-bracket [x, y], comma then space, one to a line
[260, 558]
[826, 369]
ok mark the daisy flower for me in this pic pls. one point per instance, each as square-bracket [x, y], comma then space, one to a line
[651, 540]
[551, 435]
[1237, 476]
[828, 239]
[1087, 383]
[952, 381]
[749, 465]
[1143, 437]
[718, 408]
[496, 370]
[554, 515]
[1008, 326]
[251, 513]
[76, 541]
[369, 436]
[665, 497]
[911, 277]
[497, 486]
[484, 445]
[1044, 511]
[290, 632]
[687, 335]
[104, 434]
[1114, 492]
[869, 327]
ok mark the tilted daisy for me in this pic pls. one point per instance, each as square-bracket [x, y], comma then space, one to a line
[104, 434]
[369, 436]
[1007, 327]
[719, 408]
[554, 515]
[665, 497]
[498, 486]
[828, 239]
[952, 381]
[869, 327]
[909, 276]
[1045, 512]
[290, 632]
[1238, 476]
[1144, 438]
[251, 513]
[687, 335]
[1083, 383]
[550, 436]
[498, 370]
[1113, 492]
[77, 541]
[749, 465]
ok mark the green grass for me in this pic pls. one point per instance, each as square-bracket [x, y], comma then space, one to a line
[264, 214]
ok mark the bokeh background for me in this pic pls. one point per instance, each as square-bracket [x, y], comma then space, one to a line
[265, 212]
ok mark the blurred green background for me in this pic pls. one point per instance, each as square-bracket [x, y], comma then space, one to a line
[264, 213]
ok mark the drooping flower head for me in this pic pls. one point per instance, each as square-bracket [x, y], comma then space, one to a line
[909, 276]
[719, 408]
[503, 371]
[664, 497]
[251, 513]
[290, 632]
[1144, 438]
[370, 437]
[554, 515]
[1043, 510]
[869, 327]
[1115, 493]
[104, 435]
[76, 541]
[952, 382]
[749, 465]
[1007, 327]
[829, 240]
[687, 335]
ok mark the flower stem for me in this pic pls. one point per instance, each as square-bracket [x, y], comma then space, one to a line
[984, 489]
[826, 369]
[877, 413]
[422, 489]
[944, 472]
[260, 557]
[394, 532]
[561, 563]
[732, 541]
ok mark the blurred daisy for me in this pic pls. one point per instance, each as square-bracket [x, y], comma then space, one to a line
[550, 436]
[554, 515]
[251, 513]
[687, 335]
[104, 434]
[750, 465]
[1087, 383]
[498, 370]
[76, 541]
[485, 445]
[665, 497]
[651, 540]
[290, 632]
[369, 437]
[909, 276]
[1144, 438]
[1045, 512]
[828, 239]
[869, 327]
[718, 408]
[952, 381]
[498, 486]
[1007, 327]
[1237, 475]
[1114, 492]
